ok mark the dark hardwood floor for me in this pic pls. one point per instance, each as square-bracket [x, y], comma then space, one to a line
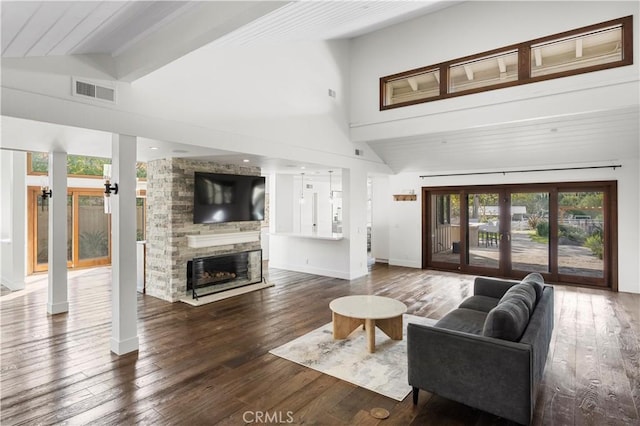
[210, 364]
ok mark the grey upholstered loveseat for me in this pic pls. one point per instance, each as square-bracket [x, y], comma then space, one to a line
[490, 352]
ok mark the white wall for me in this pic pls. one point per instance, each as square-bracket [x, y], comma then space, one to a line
[380, 218]
[269, 100]
[468, 28]
[474, 27]
[13, 208]
[345, 257]
[405, 242]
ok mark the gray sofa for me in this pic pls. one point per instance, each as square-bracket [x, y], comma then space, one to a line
[490, 352]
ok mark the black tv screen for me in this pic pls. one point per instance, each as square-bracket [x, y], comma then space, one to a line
[227, 198]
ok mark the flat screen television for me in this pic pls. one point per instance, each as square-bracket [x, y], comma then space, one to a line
[221, 198]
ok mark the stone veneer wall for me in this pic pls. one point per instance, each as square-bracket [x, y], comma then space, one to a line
[170, 221]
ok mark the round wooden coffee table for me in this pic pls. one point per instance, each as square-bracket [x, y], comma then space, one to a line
[350, 312]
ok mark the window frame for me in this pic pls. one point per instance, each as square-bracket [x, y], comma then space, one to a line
[524, 64]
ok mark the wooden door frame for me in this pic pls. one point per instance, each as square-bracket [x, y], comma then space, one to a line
[610, 225]
[32, 245]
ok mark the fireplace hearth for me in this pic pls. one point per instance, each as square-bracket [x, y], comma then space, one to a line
[213, 274]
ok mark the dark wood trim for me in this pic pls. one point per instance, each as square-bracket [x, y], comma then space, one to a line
[611, 245]
[627, 39]
[444, 79]
[426, 241]
[553, 236]
[524, 64]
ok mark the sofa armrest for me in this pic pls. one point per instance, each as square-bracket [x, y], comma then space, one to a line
[492, 287]
[490, 374]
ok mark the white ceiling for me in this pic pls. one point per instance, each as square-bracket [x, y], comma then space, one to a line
[73, 27]
[120, 30]
[531, 143]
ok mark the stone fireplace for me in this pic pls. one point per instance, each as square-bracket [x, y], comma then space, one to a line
[173, 239]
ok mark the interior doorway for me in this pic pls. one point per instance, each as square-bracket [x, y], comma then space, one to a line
[565, 231]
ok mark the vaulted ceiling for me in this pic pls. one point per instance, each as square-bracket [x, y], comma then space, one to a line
[134, 38]
[130, 39]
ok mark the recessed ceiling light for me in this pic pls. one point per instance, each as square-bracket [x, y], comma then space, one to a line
[303, 167]
[153, 147]
[246, 160]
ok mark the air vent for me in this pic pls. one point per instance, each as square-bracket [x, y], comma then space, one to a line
[92, 90]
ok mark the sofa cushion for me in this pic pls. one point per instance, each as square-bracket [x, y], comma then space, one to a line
[507, 321]
[524, 292]
[479, 303]
[535, 280]
[465, 320]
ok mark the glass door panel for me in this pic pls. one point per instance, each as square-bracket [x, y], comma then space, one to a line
[581, 234]
[140, 219]
[93, 228]
[70, 230]
[529, 213]
[42, 231]
[445, 228]
[483, 230]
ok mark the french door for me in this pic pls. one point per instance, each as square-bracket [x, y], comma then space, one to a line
[88, 229]
[565, 231]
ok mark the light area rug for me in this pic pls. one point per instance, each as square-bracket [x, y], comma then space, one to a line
[383, 372]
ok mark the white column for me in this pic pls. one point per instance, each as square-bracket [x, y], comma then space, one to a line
[13, 213]
[124, 309]
[354, 225]
[57, 301]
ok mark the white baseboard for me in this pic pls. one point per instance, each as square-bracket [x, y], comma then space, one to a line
[12, 285]
[405, 262]
[124, 346]
[312, 270]
[57, 308]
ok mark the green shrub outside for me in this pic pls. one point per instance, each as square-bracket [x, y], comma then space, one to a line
[570, 233]
[595, 243]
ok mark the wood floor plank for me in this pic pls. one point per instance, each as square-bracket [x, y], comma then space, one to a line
[211, 364]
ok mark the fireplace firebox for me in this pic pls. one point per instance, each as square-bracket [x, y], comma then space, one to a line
[213, 274]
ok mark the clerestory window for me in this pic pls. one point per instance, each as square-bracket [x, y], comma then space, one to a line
[588, 49]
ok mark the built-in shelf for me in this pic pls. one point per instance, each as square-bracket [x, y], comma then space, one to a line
[222, 239]
[405, 197]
